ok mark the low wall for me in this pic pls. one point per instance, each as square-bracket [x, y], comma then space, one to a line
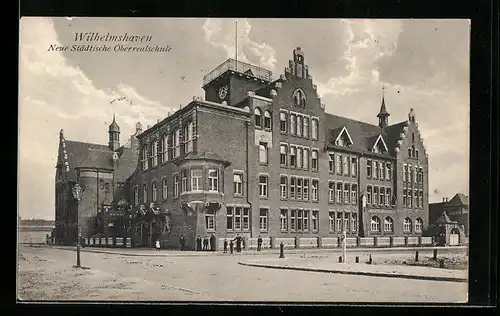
[383, 241]
[426, 241]
[311, 242]
[412, 241]
[351, 241]
[329, 242]
[287, 242]
[367, 241]
[252, 243]
[398, 241]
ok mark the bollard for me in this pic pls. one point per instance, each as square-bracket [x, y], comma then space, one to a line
[282, 254]
[416, 256]
[441, 263]
[340, 259]
[357, 259]
[435, 254]
[370, 260]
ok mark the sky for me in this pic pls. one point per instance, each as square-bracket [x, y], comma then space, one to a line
[423, 64]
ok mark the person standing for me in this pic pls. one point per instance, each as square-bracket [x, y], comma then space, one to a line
[205, 243]
[198, 243]
[182, 241]
[259, 243]
[212, 242]
[157, 244]
[231, 246]
[238, 243]
[225, 245]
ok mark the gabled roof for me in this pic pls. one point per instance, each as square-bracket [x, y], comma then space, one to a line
[378, 139]
[459, 199]
[344, 130]
[444, 219]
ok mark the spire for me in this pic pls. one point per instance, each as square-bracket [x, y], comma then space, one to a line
[114, 134]
[114, 126]
[383, 115]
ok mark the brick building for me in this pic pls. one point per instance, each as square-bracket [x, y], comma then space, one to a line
[101, 171]
[450, 219]
[260, 156]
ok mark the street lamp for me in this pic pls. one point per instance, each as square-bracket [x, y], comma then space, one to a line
[77, 194]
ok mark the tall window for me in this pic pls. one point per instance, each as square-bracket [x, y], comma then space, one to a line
[388, 225]
[418, 225]
[306, 127]
[305, 196]
[213, 180]
[196, 179]
[238, 183]
[164, 148]
[176, 185]
[144, 158]
[382, 196]
[284, 220]
[331, 163]
[354, 166]
[299, 125]
[409, 198]
[299, 189]
[346, 221]
[293, 157]
[154, 153]
[381, 166]
[407, 225]
[346, 192]
[293, 183]
[354, 193]
[345, 167]
[229, 218]
[369, 168]
[405, 173]
[293, 220]
[314, 160]
[153, 189]
[299, 157]
[263, 185]
[267, 119]
[404, 197]
[375, 195]
[210, 220]
[388, 170]
[283, 155]
[263, 153]
[416, 153]
[314, 128]
[283, 122]
[331, 191]
[375, 224]
[331, 221]
[377, 170]
[369, 195]
[145, 193]
[415, 194]
[300, 227]
[176, 142]
[338, 222]
[315, 221]
[339, 192]
[263, 219]
[305, 160]
[283, 187]
[136, 196]
[305, 221]
[246, 219]
[237, 218]
[293, 124]
[258, 117]
[411, 173]
[314, 189]
[387, 196]
[354, 222]
[421, 197]
[184, 181]
[164, 188]
[188, 133]
[338, 163]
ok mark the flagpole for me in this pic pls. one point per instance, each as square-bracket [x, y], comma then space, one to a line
[236, 45]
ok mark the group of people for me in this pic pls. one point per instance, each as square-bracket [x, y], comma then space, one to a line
[203, 244]
[209, 243]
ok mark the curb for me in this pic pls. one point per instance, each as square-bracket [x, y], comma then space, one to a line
[375, 274]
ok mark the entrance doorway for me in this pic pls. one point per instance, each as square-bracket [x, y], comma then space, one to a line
[454, 237]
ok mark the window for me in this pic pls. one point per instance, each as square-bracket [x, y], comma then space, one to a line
[188, 134]
[331, 221]
[153, 189]
[404, 197]
[412, 137]
[238, 183]
[246, 219]
[164, 148]
[305, 196]
[267, 119]
[354, 193]
[382, 196]
[409, 197]
[405, 173]
[416, 153]
[377, 170]
[293, 157]
[237, 218]
[144, 193]
[213, 180]
[283, 155]
[292, 187]
[293, 124]
[381, 166]
[258, 117]
[106, 187]
[354, 166]
[305, 160]
[176, 185]
[305, 220]
[154, 153]
[283, 122]
[388, 171]
[414, 172]
[375, 224]
[417, 204]
[306, 127]
[263, 185]
[314, 189]
[407, 225]
[418, 225]
[369, 195]
[421, 198]
[299, 220]
[314, 128]
[331, 163]
[411, 173]
[413, 151]
[210, 220]
[409, 152]
[229, 218]
[284, 220]
[338, 162]
[196, 179]
[354, 222]
[388, 225]
[338, 222]
[346, 221]
[346, 192]
[176, 142]
[369, 168]
[331, 191]
[375, 195]
[339, 192]
[263, 219]
[283, 187]
[299, 98]
[144, 158]
[299, 125]
[299, 188]
[314, 160]
[299, 157]
[315, 221]
[184, 181]
[136, 196]
[387, 196]
[263, 153]
[345, 166]
[293, 220]
[101, 184]
[421, 175]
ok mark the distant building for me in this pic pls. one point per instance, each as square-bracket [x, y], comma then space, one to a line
[450, 219]
[34, 231]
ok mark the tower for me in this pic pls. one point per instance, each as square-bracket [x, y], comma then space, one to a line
[114, 135]
[383, 115]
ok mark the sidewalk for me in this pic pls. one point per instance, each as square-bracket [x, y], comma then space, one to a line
[392, 271]
[144, 252]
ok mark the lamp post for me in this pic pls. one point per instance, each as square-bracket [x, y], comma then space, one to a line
[77, 192]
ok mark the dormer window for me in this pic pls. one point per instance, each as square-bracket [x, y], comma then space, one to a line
[299, 98]
[343, 139]
[258, 117]
[379, 146]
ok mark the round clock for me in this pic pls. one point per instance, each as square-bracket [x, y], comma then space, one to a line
[222, 92]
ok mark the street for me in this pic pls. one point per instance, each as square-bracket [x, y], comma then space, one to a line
[47, 274]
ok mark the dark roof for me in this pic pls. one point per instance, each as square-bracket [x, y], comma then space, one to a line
[444, 219]
[459, 199]
[88, 155]
[114, 127]
[435, 211]
[206, 155]
[363, 134]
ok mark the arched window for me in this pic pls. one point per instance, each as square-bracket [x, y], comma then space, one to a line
[246, 108]
[407, 225]
[267, 119]
[258, 117]
[418, 225]
[416, 153]
[299, 98]
[409, 152]
[413, 151]
[375, 224]
[388, 225]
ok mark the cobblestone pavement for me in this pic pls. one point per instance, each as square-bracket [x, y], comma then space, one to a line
[47, 274]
